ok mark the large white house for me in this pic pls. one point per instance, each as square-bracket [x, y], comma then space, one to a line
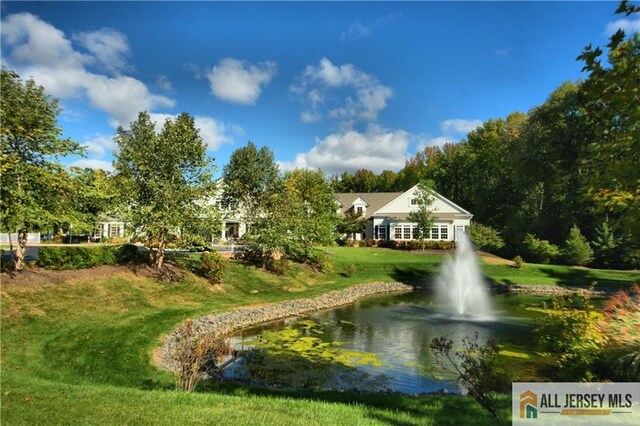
[387, 215]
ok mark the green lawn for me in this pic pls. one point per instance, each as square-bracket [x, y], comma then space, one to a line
[80, 352]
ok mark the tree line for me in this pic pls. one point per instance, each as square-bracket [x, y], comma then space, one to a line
[571, 162]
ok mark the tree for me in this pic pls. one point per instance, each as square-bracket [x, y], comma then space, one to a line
[614, 171]
[35, 187]
[351, 223]
[164, 179]
[606, 246]
[422, 215]
[298, 216]
[310, 191]
[576, 250]
[93, 195]
[485, 237]
[250, 178]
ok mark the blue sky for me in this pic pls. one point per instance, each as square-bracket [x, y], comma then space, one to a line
[337, 86]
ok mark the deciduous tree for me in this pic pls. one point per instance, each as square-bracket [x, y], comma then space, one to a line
[165, 179]
[35, 187]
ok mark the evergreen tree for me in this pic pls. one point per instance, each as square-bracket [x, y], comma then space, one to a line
[576, 250]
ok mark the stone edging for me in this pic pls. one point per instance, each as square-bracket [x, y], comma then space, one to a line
[224, 323]
[547, 290]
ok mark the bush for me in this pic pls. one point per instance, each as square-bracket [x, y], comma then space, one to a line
[370, 242]
[212, 266]
[85, 257]
[518, 262]
[198, 356]
[475, 366]
[539, 251]
[569, 332]
[576, 250]
[278, 266]
[485, 238]
[349, 270]
[320, 262]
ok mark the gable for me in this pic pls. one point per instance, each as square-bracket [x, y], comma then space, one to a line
[402, 205]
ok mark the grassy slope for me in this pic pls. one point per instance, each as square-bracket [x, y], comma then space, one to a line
[81, 351]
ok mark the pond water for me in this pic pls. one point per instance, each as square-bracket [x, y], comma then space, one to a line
[382, 343]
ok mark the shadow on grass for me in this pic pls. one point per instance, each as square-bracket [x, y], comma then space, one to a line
[584, 278]
[389, 408]
[417, 277]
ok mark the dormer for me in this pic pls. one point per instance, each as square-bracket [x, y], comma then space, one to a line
[360, 206]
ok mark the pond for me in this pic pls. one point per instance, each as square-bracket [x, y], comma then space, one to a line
[382, 343]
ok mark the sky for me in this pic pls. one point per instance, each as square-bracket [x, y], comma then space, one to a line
[335, 86]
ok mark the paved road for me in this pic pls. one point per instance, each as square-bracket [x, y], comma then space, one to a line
[32, 254]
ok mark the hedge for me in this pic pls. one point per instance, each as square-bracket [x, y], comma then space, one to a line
[85, 257]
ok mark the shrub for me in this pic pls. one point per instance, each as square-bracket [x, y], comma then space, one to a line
[540, 251]
[278, 266]
[576, 250]
[475, 366]
[485, 238]
[569, 332]
[212, 266]
[85, 257]
[128, 253]
[349, 270]
[622, 325]
[518, 262]
[320, 262]
[198, 356]
[370, 242]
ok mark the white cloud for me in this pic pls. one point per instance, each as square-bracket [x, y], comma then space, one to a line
[627, 25]
[439, 142]
[91, 163]
[356, 30]
[164, 83]
[238, 81]
[100, 145]
[37, 49]
[109, 48]
[458, 125]
[376, 149]
[214, 133]
[503, 51]
[365, 98]
[34, 41]
[359, 30]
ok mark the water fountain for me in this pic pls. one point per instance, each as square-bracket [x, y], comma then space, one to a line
[460, 288]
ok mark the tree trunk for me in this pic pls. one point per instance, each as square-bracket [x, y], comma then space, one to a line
[162, 245]
[21, 248]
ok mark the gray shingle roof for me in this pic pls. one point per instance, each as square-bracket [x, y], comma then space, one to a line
[375, 200]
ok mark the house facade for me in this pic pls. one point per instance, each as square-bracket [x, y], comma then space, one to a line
[387, 215]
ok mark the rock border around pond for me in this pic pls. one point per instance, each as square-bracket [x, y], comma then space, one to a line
[224, 323]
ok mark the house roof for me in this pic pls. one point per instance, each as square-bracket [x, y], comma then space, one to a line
[435, 215]
[375, 200]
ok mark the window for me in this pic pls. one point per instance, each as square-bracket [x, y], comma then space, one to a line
[98, 233]
[360, 210]
[407, 232]
[415, 232]
[444, 232]
[114, 231]
[382, 232]
[414, 201]
[398, 232]
[434, 233]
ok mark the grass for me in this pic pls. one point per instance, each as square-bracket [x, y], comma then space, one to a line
[81, 352]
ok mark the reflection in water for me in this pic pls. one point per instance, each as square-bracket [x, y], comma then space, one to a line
[379, 343]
